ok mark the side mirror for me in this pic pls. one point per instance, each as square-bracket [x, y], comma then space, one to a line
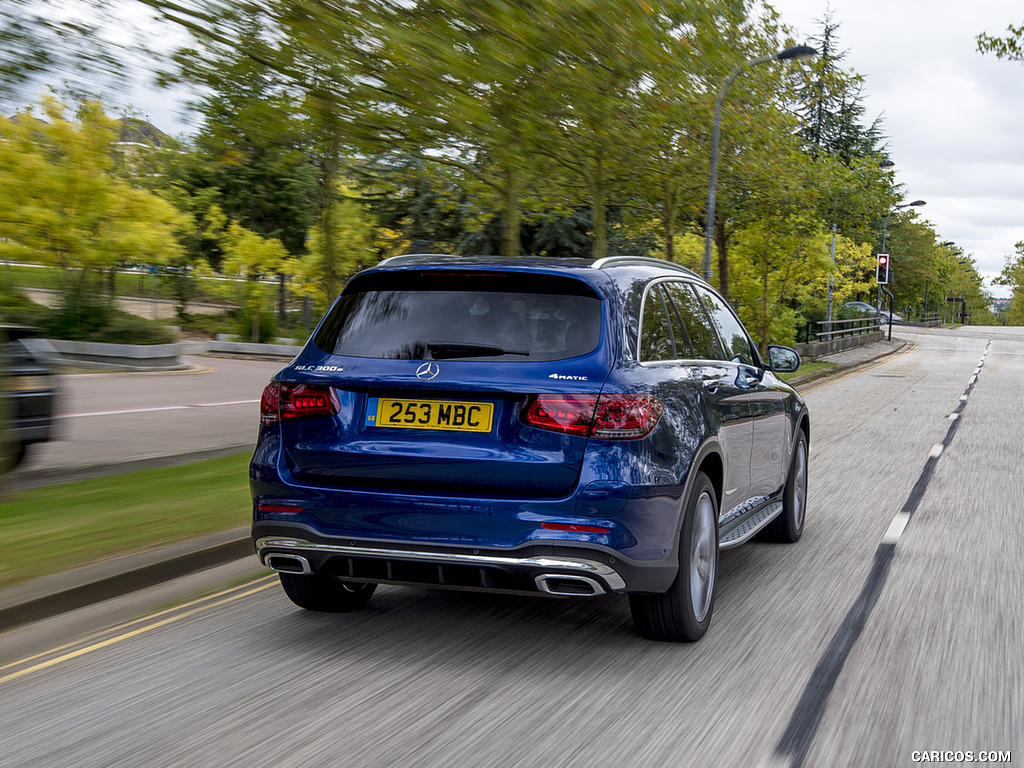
[782, 359]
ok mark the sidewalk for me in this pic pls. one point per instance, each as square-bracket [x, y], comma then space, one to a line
[851, 359]
[52, 595]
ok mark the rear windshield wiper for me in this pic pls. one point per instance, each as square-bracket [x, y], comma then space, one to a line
[441, 350]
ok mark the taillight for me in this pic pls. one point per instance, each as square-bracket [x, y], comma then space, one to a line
[283, 401]
[609, 417]
[268, 403]
[573, 415]
[622, 417]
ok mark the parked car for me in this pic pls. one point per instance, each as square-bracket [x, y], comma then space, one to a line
[869, 310]
[541, 426]
[28, 389]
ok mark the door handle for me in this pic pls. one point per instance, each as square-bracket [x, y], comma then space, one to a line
[710, 385]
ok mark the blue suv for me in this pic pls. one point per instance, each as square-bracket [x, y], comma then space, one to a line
[545, 426]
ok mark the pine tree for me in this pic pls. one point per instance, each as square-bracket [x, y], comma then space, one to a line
[833, 109]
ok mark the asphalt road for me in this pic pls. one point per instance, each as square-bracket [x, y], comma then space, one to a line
[110, 418]
[894, 627]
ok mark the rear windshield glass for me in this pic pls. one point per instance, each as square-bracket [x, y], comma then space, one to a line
[463, 316]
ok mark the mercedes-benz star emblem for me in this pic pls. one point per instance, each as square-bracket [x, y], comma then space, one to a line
[427, 371]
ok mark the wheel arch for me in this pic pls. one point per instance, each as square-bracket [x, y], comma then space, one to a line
[803, 425]
[709, 462]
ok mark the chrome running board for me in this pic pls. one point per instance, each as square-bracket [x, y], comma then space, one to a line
[746, 530]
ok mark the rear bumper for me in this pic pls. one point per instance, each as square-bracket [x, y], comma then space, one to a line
[556, 568]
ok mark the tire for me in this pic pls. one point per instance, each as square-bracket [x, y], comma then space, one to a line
[328, 594]
[11, 456]
[683, 613]
[788, 527]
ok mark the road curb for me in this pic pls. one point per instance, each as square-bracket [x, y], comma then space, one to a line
[52, 595]
[31, 479]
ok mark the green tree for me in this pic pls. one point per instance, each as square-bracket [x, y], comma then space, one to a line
[920, 265]
[594, 113]
[1012, 276]
[252, 258]
[427, 203]
[353, 235]
[462, 82]
[273, 135]
[251, 148]
[761, 172]
[38, 44]
[1010, 47]
[968, 285]
[64, 206]
[831, 102]
[776, 264]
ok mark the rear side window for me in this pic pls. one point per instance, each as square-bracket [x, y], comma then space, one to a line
[675, 326]
[738, 347]
[463, 316]
[694, 322]
[657, 341]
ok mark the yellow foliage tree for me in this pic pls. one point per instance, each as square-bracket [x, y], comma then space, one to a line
[252, 259]
[63, 205]
[776, 265]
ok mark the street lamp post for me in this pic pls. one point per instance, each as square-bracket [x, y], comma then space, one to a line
[899, 207]
[795, 53]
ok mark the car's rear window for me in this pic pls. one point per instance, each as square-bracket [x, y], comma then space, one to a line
[462, 315]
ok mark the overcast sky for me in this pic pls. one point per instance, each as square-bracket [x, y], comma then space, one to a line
[952, 115]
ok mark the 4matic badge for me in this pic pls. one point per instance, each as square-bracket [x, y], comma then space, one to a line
[563, 377]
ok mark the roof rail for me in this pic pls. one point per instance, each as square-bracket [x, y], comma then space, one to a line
[412, 257]
[616, 261]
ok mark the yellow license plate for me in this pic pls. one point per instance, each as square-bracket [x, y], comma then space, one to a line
[430, 414]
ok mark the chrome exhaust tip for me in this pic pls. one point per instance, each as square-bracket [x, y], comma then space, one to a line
[568, 585]
[287, 563]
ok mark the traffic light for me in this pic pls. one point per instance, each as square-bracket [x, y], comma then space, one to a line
[883, 269]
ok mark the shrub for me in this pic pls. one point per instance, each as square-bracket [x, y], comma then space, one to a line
[267, 330]
[78, 316]
[209, 325]
[17, 309]
[129, 329]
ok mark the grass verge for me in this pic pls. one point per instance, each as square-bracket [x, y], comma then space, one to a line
[808, 368]
[51, 530]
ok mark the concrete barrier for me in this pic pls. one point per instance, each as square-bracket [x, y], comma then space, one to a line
[813, 349]
[92, 354]
[151, 357]
[241, 349]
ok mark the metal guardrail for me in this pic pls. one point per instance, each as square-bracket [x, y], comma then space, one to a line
[839, 329]
[928, 321]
